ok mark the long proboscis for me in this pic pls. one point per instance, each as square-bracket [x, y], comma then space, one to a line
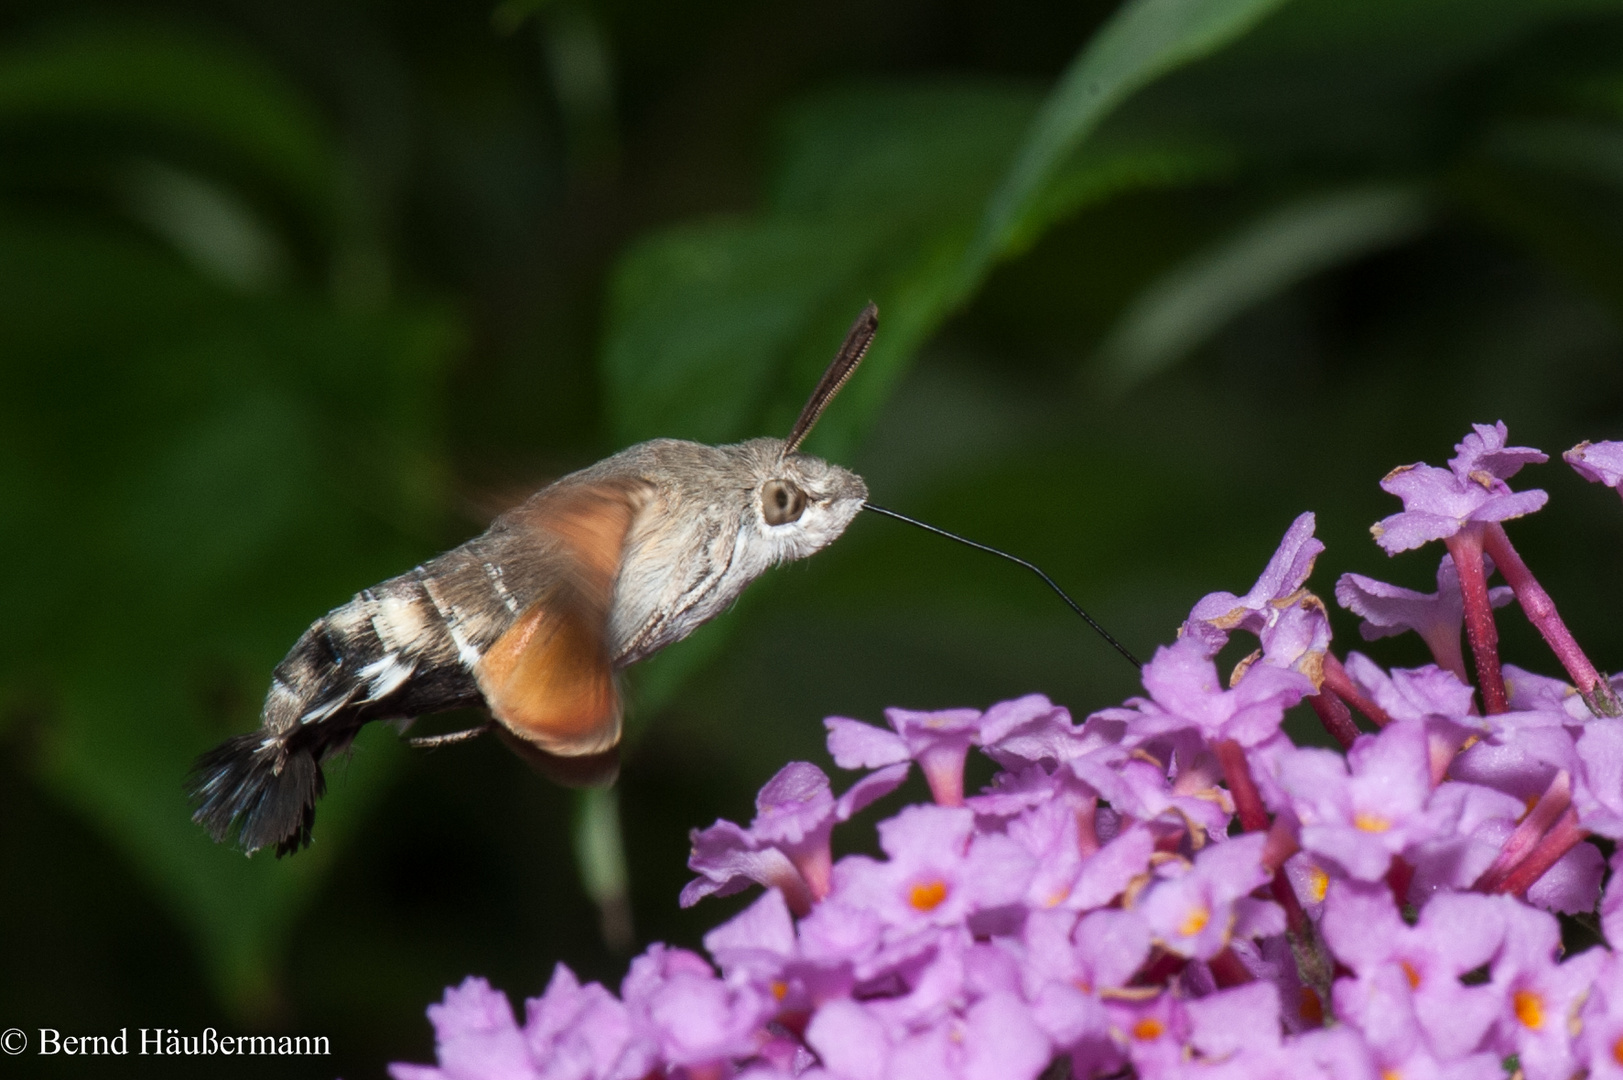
[1063, 595]
[844, 365]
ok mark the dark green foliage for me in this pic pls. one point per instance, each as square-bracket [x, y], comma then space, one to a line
[293, 296]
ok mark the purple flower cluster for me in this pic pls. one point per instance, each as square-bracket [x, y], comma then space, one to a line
[1172, 887]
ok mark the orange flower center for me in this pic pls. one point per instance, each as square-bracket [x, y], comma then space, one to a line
[780, 990]
[1371, 822]
[1617, 1051]
[1412, 975]
[927, 896]
[1148, 1029]
[1529, 1009]
[1318, 883]
[1195, 922]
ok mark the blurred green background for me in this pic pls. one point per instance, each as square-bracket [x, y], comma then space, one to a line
[295, 295]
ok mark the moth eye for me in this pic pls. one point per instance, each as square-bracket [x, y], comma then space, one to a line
[782, 502]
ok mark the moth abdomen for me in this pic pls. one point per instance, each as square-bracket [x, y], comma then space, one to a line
[384, 655]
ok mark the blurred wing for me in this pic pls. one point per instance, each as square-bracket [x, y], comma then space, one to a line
[549, 678]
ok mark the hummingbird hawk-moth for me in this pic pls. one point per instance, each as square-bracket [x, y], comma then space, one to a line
[534, 618]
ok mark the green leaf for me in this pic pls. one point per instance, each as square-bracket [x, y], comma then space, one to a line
[218, 231]
[1144, 40]
[716, 331]
[702, 319]
[1177, 313]
[904, 196]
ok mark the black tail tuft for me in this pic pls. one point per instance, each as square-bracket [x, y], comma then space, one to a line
[266, 790]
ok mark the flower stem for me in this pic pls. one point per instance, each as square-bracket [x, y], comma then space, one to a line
[1247, 801]
[1159, 968]
[1399, 876]
[1466, 548]
[1337, 679]
[1335, 716]
[1228, 970]
[1444, 643]
[1087, 827]
[1544, 814]
[1443, 744]
[1285, 897]
[1541, 613]
[1282, 844]
[1561, 839]
[943, 768]
[816, 866]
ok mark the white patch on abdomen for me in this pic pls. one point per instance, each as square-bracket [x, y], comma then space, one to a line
[386, 676]
[400, 624]
[465, 649]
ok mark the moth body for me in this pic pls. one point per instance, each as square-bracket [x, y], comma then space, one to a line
[533, 618]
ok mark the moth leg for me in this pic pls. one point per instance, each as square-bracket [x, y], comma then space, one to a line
[429, 742]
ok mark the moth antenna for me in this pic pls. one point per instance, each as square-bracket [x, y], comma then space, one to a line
[845, 362]
[1063, 595]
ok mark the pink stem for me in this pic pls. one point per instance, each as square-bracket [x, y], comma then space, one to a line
[1545, 813]
[1254, 818]
[1335, 716]
[1399, 876]
[1541, 613]
[1281, 845]
[1285, 896]
[1444, 643]
[943, 768]
[1228, 969]
[1565, 836]
[1087, 827]
[1159, 968]
[1247, 801]
[816, 866]
[796, 893]
[1337, 679]
[1442, 747]
[1466, 547]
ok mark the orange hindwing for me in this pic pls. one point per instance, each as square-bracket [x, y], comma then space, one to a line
[549, 678]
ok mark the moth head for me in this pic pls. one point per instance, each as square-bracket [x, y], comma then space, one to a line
[801, 503]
